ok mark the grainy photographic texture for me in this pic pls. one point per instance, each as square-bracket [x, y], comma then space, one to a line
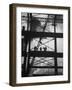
[41, 44]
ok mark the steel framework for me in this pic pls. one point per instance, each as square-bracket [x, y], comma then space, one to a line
[30, 63]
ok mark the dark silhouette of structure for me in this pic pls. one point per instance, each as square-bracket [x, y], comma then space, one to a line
[35, 67]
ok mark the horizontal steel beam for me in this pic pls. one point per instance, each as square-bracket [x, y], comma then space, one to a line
[46, 67]
[29, 34]
[42, 54]
[46, 74]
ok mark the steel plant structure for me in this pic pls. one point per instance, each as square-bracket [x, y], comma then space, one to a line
[41, 41]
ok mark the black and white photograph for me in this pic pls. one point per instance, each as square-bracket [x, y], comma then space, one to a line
[42, 44]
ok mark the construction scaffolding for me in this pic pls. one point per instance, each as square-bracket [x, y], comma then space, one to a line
[40, 35]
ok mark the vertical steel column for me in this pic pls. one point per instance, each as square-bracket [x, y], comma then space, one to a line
[55, 58]
[29, 29]
[24, 64]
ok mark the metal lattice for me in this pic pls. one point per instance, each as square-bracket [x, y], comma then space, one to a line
[40, 58]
